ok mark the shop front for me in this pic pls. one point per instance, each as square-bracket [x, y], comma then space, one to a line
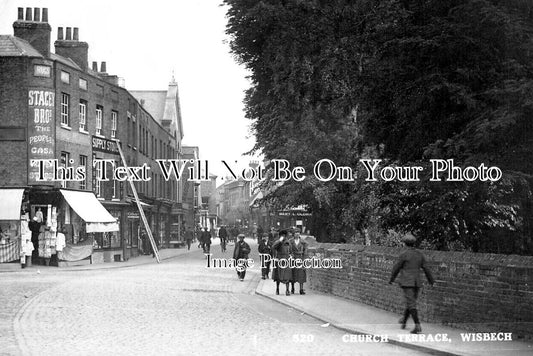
[12, 225]
[56, 227]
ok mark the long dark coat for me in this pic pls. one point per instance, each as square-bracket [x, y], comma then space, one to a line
[299, 252]
[282, 250]
[223, 233]
[205, 237]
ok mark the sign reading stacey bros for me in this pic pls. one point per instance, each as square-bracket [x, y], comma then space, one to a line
[41, 132]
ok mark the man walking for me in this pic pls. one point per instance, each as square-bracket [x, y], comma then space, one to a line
[206, 240]
[242, 249]
[223, 235]
[189, 236]
[265, 248]
[408, 267]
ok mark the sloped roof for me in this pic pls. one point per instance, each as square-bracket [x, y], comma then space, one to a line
[154, 101]
[64, 60]
[163, 105]
[11, 46]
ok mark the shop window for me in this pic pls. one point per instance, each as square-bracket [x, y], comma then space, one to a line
[114, 183]
[97, 182]
[106, 240]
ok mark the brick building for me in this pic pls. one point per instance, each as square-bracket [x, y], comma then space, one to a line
[234, 200]
[192, 198]
[208, 209]
[54, 107]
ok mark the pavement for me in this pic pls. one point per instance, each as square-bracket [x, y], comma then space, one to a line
[164, 254]
[353, 318]
[339, 313]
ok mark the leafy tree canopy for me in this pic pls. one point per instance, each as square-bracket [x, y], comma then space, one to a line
[402, 80]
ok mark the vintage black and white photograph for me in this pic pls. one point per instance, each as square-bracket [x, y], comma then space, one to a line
[266, 177]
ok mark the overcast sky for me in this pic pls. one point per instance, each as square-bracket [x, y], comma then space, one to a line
[144, 41]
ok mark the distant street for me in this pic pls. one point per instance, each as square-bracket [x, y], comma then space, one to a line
[176, 307]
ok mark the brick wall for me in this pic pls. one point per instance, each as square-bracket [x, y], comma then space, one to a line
[474, 291]
[13, 113]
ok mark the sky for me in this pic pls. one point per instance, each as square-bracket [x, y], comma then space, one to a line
[145, 42]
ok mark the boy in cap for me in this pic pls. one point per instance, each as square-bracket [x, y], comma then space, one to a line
[242, 249]
[408, 267]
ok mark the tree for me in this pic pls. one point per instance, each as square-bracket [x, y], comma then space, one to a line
[407, 81]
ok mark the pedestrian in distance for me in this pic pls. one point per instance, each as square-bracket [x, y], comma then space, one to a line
[273, 235]
[265, 248]
[281, 249]
[206, 240]
[223, 235]
[234, 232]
[189, 236]
[298, 251]
[198, 236]
[259, 233]
[34, 227]
[241, 252]
[407, 268]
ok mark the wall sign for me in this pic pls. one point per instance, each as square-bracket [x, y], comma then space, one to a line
[41, 71]
[41, 132]
[101, 144]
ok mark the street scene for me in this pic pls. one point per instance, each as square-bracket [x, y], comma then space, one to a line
[349, 177]
[178, 307]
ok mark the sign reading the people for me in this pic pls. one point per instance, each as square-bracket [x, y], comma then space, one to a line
[41, 129]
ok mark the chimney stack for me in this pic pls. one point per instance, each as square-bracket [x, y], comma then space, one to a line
[95, 66]
[72, 48]
[103, 68]
[36, 15]
[34, 30]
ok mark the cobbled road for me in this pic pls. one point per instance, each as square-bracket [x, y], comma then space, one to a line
[178, 307]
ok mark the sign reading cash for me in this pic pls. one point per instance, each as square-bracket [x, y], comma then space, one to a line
[104, 145]
[41, 132]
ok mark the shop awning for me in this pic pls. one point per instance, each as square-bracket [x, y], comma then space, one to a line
[90, 210]
[10, 201]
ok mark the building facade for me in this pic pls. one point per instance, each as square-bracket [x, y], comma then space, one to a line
[234, 202]
[57, 109]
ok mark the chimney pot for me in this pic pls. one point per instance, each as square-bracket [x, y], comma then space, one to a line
[59, 33]
[103, 68]
[36, 14]
[68, 36]
[75, 36]
[28, 14]
[95, 66]
[21, 13]
[45, 15]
